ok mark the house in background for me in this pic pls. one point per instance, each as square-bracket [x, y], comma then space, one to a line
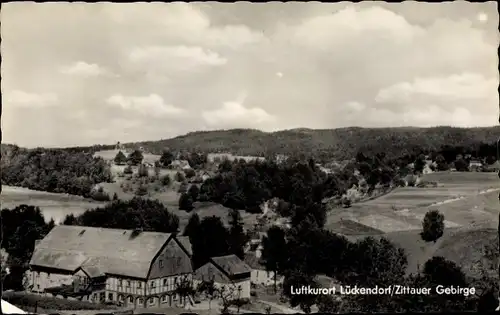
[475, 165]
[259, 275]
[127, 267]
[228, 273]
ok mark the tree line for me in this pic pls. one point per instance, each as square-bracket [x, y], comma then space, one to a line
[53, 170]
[328, 144]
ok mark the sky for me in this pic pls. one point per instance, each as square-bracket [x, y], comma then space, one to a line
[81, 73]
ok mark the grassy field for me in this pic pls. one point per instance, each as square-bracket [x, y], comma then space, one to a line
[464, 246]
[109, 155]
[52, 205]
[469, 202]
[465, 199]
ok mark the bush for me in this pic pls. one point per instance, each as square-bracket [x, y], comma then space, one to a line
[183, 188]
[166, 180]
[432, 226]
[179, 177]
[194, 192]
[50, 303]
[142, 171]
[141, 190]
[99, 195]
[190, 173]
[128, 170]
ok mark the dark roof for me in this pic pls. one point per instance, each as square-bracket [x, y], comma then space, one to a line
[99, 250]
[231, 264]
[252, 261]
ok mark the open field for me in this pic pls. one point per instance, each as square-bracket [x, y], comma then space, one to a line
[464, 246]
[465, 199]
[52, 205]
[469, 202]
[109, 155]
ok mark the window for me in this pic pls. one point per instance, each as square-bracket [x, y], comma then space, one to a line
[139, 285]
[119, 283]
[102, 297]
[140, 301]
[152, 284]
[151, 301]
[161, 263]
[175, 297]
[164, 299]
[128, 284]
[165, 283]
[110, 296]
[131, 299]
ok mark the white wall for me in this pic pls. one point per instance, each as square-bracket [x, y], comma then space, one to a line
[42, 280]
[263, 277]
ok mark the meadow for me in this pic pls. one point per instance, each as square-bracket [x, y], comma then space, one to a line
[469, 202]
[465, 199]
[52, 205]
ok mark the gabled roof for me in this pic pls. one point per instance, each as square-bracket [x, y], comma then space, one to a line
[231, 265]
[99, 250]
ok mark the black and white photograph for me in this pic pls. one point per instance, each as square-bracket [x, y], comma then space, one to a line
[269, 158]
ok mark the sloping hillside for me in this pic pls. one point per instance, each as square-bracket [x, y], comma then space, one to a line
[466, 247]
[337, 143]
[342, 143]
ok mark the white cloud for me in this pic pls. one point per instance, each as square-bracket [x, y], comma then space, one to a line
[151, 105]
[472, 92]
[235, 115]
[421, 116]
[183, 58]
[182, 22]
[468, 86]
[81, 68]
[25, 99]
[351, 25]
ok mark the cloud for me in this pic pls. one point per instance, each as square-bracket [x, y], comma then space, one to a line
[469, 91]
[151, 105]
[81, 68]
[33, 100]
[350, 24]
[181, 22]
[235, 115]
[421, 116]
[183, 58]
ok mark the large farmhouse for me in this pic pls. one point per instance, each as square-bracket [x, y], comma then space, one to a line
[127, 267]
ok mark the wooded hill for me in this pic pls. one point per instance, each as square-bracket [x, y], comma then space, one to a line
[343, 143]
[322, 144]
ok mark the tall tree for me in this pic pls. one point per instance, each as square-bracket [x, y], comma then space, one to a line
[193, 225]
[185, 202]
[275, 252]
[211, 240]
[237, 236]
[432, 226]
[135, 157]
[166, 158]
[120, 158]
